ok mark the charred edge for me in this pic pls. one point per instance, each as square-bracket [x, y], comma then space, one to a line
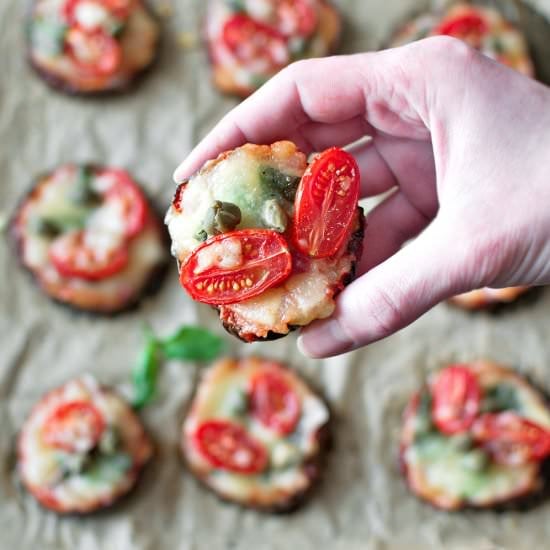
[242, 92]
[59, 84]
[314, 467]
[521, 503]
[355, 248]
[151, 286]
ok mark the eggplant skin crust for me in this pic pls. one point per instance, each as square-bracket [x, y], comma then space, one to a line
[521, 502]
[314, 468]
[355, 248]
[151, 286]
[101, 505]
[59, 84]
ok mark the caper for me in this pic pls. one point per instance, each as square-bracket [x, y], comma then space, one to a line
[285, 184]
[82, 193]
[109, 442]
[274, 216]
[461, 442]
[236, 5]
[221, 217]
[45, 227]
[475, 460]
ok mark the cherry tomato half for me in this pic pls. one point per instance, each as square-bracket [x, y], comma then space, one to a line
[75, 426]
[228, 446]
[73, 258]
[511, 439]
[456, 398]
[120, 9]
[95, 53]
[132, 202]
[235, 266]
[469, 26]
[325, 204]
[254, 42]
[296, 17]
[273, 402]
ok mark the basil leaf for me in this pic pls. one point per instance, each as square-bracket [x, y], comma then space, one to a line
[48, 36]
[144, 375]
[192, 344]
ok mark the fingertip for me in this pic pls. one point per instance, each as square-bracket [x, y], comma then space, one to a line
[324, 339]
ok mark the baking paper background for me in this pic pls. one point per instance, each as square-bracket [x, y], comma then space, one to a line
[362, 502]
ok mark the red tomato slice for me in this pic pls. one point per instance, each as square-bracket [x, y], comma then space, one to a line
[228, 446]
[469, 26]
[75, 426]
[254, 42]
[511, 439]
[325, 203]
[274, 403]
[95, 53]
[235, 266]
[72, 258]
[456, 398]
[121, 9]
[296, 17]
[131, 199]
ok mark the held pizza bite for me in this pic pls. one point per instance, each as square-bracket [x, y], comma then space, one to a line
[90, 238]
[484, 298]
[251, 40]
[483, 28]
[476, 435]
[91, 46]
[266, 238]
[255, 434]
[81, 448]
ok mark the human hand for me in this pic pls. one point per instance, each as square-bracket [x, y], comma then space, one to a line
[463, 141]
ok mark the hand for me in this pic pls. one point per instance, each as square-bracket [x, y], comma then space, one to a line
[463, 142]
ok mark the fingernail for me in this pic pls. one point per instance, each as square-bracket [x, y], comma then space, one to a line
[178, 174]
[324, 339]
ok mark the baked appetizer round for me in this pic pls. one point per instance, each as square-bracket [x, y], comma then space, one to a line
[255, 434]
[267, 239]
[82, 448]
[251, 40]
[484, 298]
[90, 238]
[476, 435]
[482, 27]
[91, 46]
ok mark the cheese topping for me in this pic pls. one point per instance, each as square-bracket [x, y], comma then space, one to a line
[223, 394]
[78, 480]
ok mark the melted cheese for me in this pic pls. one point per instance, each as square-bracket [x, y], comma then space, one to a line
[214, 398]
[40, 465]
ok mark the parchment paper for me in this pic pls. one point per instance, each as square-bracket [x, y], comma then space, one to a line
[362, 502]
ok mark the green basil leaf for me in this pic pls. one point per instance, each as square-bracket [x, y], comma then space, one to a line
[144, 375]
[192, 344]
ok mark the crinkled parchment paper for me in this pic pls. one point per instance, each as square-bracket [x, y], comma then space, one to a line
[362, 502]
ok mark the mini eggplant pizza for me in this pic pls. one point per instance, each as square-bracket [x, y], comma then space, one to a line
[82, 448]
[90, 238]
[476, 435]
[483, 28]
[487, 298]
[255, 434]
[91, 46]
[266, 238]
[251, 40]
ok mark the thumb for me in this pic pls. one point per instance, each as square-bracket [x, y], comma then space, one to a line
[390, 296]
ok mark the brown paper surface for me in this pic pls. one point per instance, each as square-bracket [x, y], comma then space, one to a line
[362, 502]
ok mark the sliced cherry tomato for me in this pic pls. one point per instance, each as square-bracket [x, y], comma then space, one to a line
[511, 439]
[235, 266]
[133, 204]
[72, 257]
[296, 17]
[120, 9]
[273, 402]
[75, 426]
[469, 26]
[95, 53]
[254, 42]
[228, 446]
[325, 204]
[456, 398]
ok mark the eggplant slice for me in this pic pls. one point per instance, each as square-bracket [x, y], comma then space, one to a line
[295, 458]
[82, 448]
